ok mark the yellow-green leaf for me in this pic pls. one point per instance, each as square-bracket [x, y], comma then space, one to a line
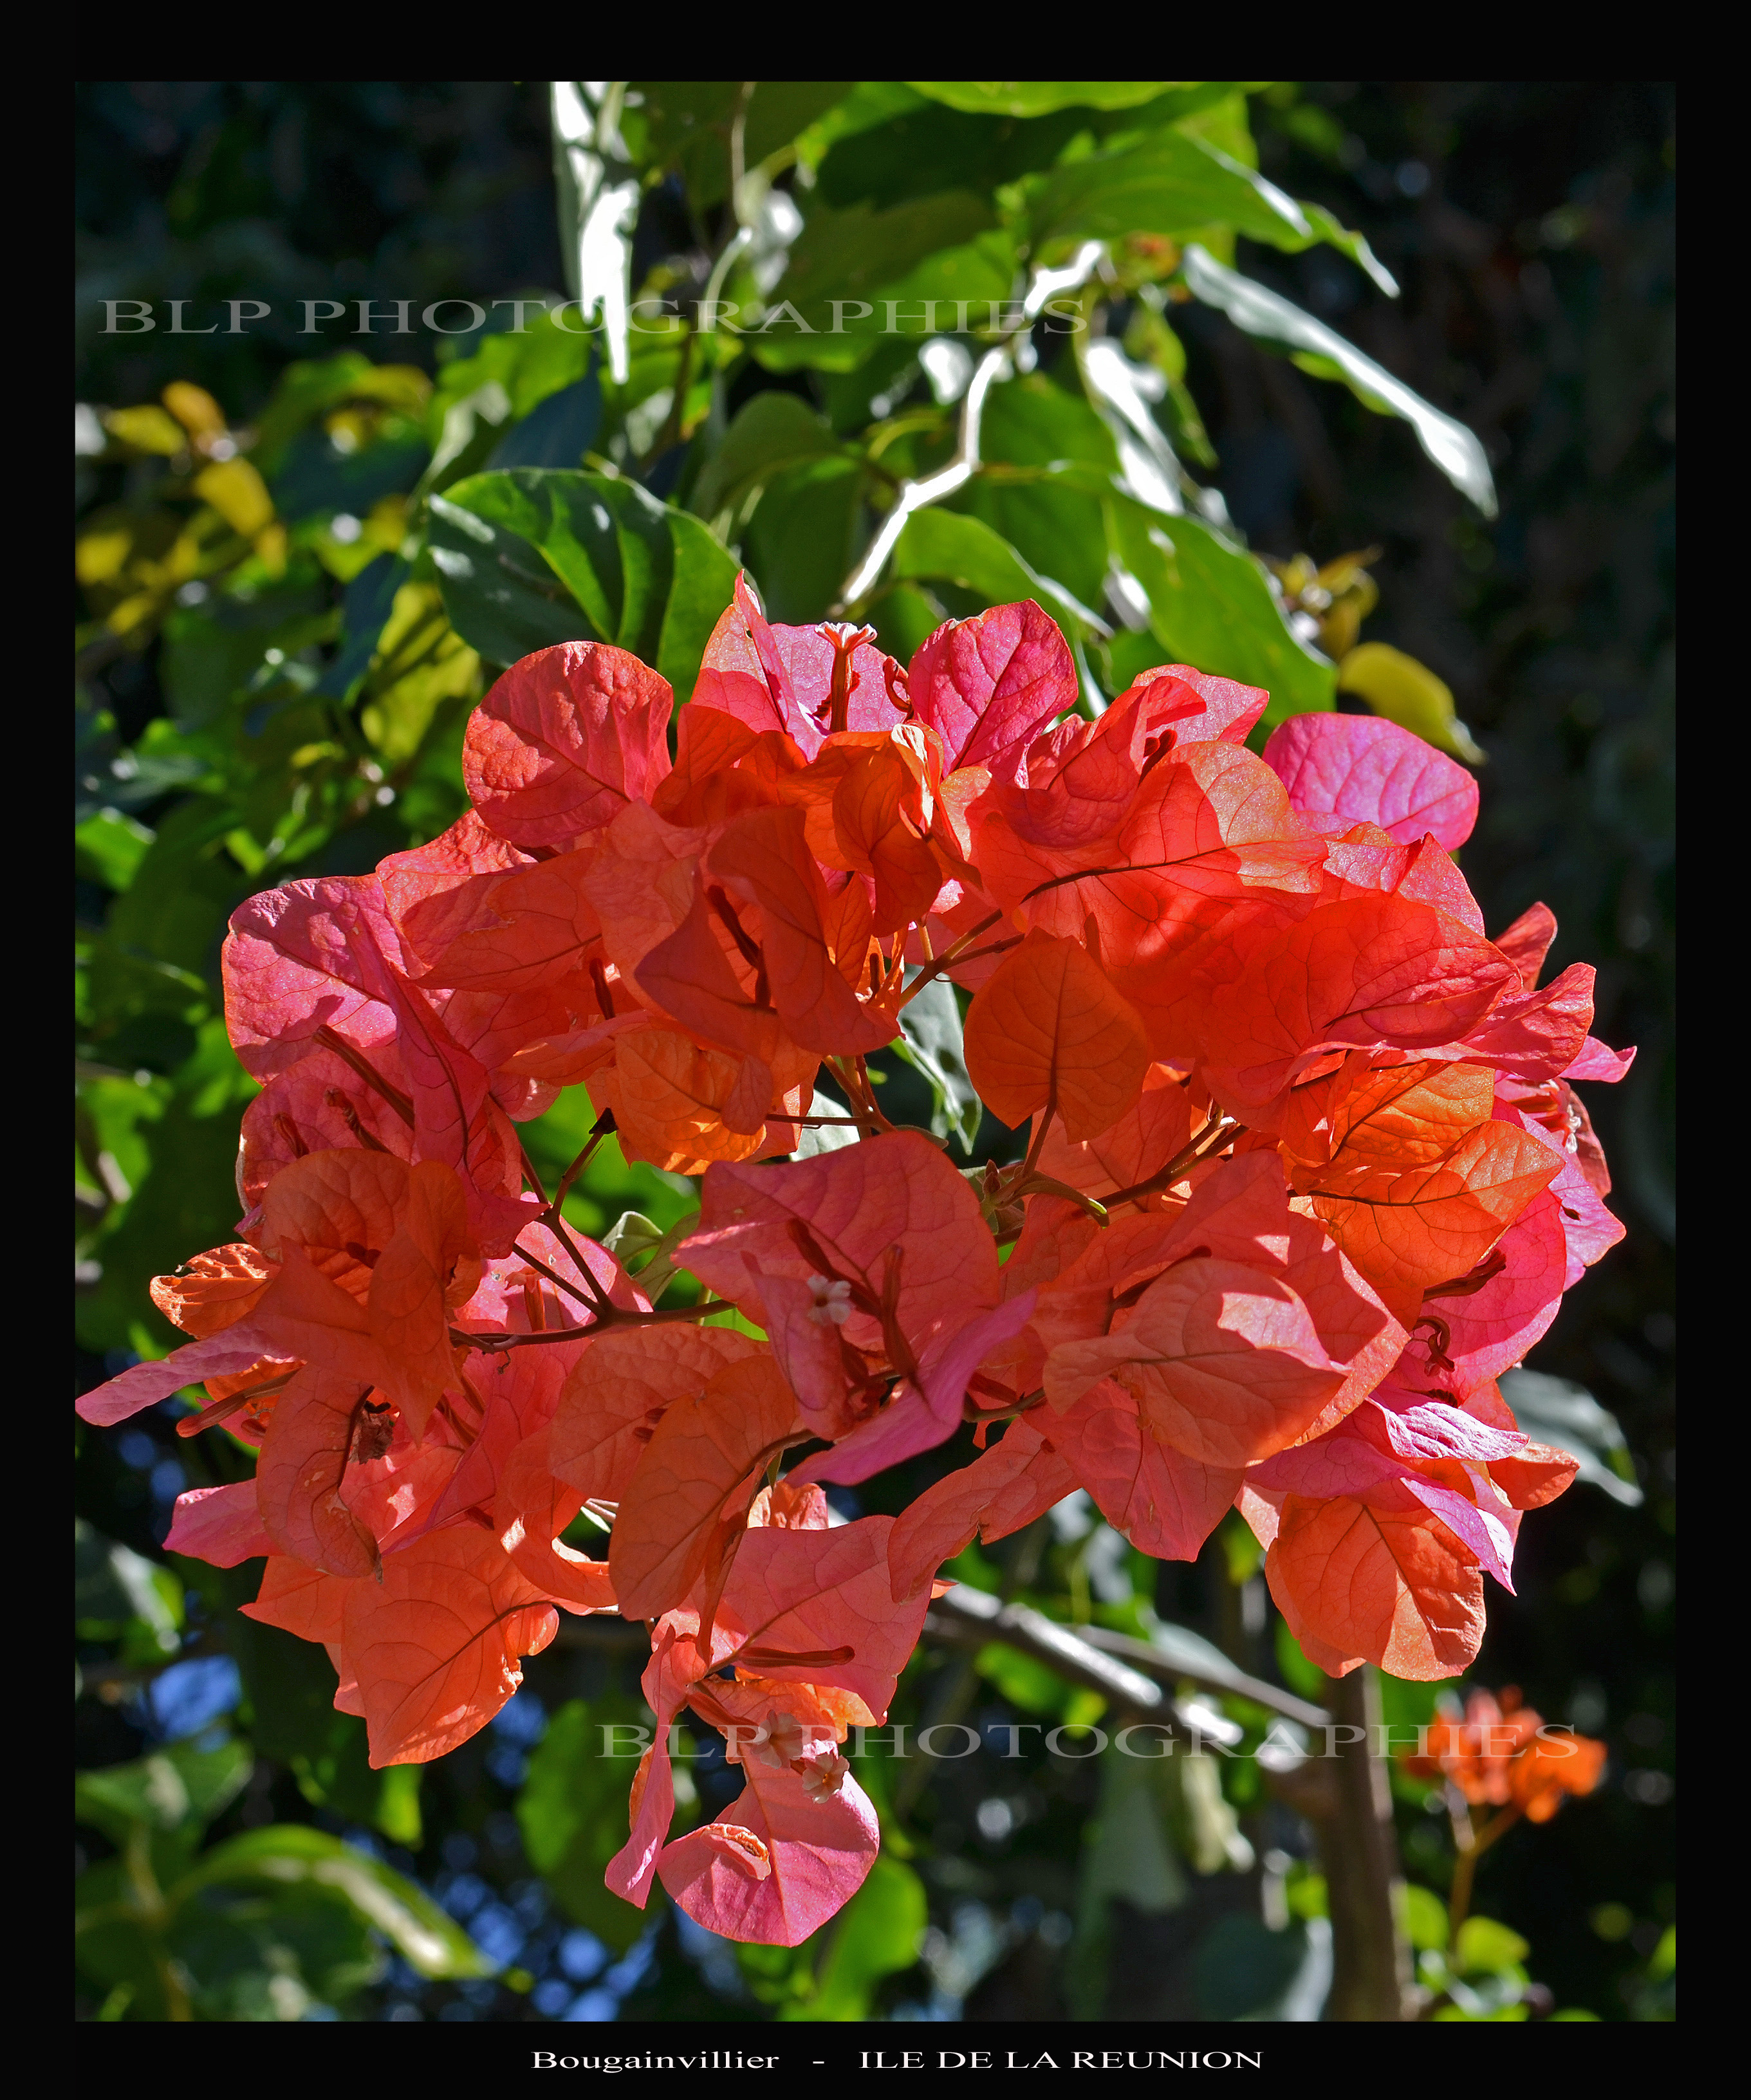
[1409, 694]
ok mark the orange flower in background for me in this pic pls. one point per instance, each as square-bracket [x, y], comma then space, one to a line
[1552, 1765]
[1502, 1755]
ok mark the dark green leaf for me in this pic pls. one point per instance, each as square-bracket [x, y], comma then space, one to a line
[557, 432]
[370, 598]
[109, 847]
[1554, 1411]
[774, 430]
[269, 1951]
[803, 539]
[536, 556]
[572, 1810]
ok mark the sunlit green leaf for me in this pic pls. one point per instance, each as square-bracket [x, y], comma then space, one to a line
[1211, 606]
[1454, 449]
[288, 1855]
[1036, 97]
[173, 1788]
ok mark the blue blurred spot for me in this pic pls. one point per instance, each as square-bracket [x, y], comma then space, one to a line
[582, 1954]
[168, 1479]
[634, 1966]
[551, 1998]
[188, 1695]
[498, 1935]
[319, 2013]
[462, 1894]
[846, 1503]
[138, 1448]
[508, 1764]
[460, 1851]
[594, 2006]
[522, 1720]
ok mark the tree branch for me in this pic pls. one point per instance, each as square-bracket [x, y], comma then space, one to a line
[916, 496]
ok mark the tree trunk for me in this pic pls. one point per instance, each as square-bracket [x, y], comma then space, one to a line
[1371, 1961]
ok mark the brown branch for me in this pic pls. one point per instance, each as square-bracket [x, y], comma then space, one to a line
[949, 958]
[1167, 1666]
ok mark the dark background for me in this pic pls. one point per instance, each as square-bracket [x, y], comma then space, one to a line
[1531, 226]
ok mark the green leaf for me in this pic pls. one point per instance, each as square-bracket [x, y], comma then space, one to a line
[965, 551]
[420, 662]
[1038, 98]
[1456, 451]
[825, 1137]
[292, 1854]
[1025, 1681]
[1425, 1918]
[923, 148]
[1556, 1411]
[108, 848]
[1051, 512]
[557, 432]
[312, 388]
[1409, 693]
[905, 618]
[930, 1041]
[573, 1816]
[539, 555]
[175, 1789]
[773, 430]
[116, 1589]
[945, 248]
[1243, 1969]
[857, 253]
[185, 1196]
[370, 599]
[685, 124]
[1485, 1948]
[256, 1951]
[1211, 606]
[803, 538]
[877, 1934]
[1298, 1674]
[1169, 183]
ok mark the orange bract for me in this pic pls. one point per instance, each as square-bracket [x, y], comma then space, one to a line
[1049, 1033]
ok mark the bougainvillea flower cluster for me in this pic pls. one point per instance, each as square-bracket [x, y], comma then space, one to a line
[1304, 1172]
[1500, 1754]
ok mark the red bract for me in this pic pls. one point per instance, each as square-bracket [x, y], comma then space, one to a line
[1305, 1171]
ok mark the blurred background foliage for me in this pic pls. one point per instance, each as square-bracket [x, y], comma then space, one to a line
[301, 558]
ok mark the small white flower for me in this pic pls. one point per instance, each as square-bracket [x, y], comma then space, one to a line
[832, 1302]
